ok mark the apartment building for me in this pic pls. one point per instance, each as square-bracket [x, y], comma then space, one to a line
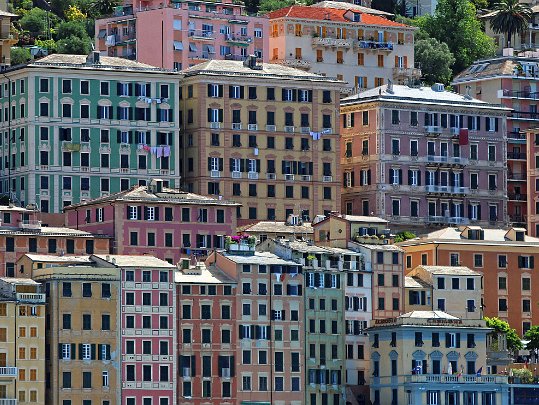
[525, 40]
[163, 222]
[85, 127]
[423, 156]
[8, 37]
[360, 46]
[207, 335]
[504, 257]
[512, 81]
[21, 232]
[269, 350]
[329, 314]
[82, 336]
[430, 357]
[179, 34]
[22, 343]
[146, 330]
[274, 138]
[456, 290]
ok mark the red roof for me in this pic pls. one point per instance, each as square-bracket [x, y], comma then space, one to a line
[329, 14]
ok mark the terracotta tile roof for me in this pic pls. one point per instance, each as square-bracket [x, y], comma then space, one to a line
[331, 14]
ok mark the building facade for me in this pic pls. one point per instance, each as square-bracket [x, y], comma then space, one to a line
[146, 328]
[364, 48]
[504, 257]
[430, 357]
[207, 335]
[187, 33]
[85, 127]
[82, 338]
[22, 342]
[163, 222]
[455, 290]
[8, 37]
[512, 82]
[270, 365]
[274, 138]
[423, 156]
[21, 232]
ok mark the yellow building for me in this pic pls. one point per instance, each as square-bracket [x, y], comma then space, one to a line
[83, 334]
[263, 135]
[456, 290]
[8, 38]
[22, 343]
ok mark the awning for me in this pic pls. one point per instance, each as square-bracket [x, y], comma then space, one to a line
[208, 48]
[178, 46]
[192, 47]
[102, 34]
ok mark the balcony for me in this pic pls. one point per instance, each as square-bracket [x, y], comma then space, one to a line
[440, 219]
[202, 56]
[238, 39]
[516, 155]
[516, 137]
[517, 197]
[533, 95]
[517, 218]
[456, 379]
[8, 372]
[446, 190]
[30, 224]
[524, 115]
[333, 42]
[203, 35]
[7, 401]
[298, 63]
[375, 45]
[454, 160]
[433, 130]
[399, 72]
[31, 297]
[516, 176]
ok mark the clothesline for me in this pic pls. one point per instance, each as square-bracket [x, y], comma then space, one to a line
[159, 151]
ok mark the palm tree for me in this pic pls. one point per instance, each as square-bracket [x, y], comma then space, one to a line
[510, 17]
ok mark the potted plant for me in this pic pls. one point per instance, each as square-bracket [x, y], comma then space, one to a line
[310, 259]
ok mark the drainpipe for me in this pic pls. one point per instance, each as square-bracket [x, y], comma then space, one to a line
[113, 247]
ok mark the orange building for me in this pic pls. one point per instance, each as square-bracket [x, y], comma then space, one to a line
[505, 258]
[21, 233]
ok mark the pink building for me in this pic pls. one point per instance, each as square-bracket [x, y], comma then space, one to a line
[158, 221]
[180, 34]
[421, 156]
[148, 328]
[206, 302]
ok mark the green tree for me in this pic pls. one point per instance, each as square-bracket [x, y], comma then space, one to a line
[510, 17]
[402, 236]
[74, 45]
[454, 22]
[68, 29]
[104, 7]
[47, 44]
[435, 59]
[533, 336]
[34, 21]
[20, 56]
[513, 341]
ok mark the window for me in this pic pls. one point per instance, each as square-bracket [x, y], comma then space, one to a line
[502, 304]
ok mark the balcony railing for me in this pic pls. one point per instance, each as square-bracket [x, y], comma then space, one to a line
[30, 224]
[516, 155]
[524, 115]
[31, 297]
[517, 218]
[294, 62]
[8, 401]
[440, 219]
[517, 197]
[521, 94]
[8, 371]
[516, 176]
[406, 72]
[457, 379]
[376, 45]
[447, 189]
[513, 135]
[339, 42]
[447, 159]
[208, 35]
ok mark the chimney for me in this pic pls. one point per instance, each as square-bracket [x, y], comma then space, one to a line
[468, 96]
[389, 86]
[250, 62]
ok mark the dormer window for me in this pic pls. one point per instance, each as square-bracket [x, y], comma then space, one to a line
[519, 236]
[357, 17]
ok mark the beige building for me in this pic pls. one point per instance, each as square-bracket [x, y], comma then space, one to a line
[263, 135]
[291, 230]
[456, 290]
[22, 342]
[8, 37]
[83, 336]
[431, 357]
[356, 43]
